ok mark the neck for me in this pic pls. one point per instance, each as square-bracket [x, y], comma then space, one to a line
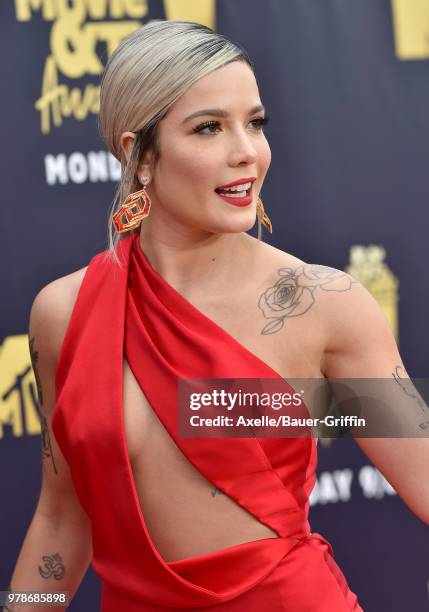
[199, 264]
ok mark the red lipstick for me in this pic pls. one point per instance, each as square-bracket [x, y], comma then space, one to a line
[234, 199]
[251, 179]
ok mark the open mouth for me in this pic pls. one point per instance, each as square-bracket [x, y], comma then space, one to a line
[234, 194]
[237, 196]
[236, 191]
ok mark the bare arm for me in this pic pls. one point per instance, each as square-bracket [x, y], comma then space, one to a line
[362, 346]
[57, 548]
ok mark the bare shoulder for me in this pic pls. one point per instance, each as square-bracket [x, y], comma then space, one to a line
[293, 288]
[51, 311]
[333, 310]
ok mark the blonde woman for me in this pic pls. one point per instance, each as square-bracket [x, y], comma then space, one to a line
[184, 291]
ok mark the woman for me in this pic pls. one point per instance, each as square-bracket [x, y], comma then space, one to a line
[184, 292]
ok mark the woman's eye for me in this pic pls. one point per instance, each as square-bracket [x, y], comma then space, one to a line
[206, 126]
[258, 123]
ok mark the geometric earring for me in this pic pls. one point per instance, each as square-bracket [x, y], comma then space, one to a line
[135, 208]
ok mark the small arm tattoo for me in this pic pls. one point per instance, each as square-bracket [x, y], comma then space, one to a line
[216, 491]
[53, 566]
[293, 293]
[46, 439]
[34, 359]
[401, 380]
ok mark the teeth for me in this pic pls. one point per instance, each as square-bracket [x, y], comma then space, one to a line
[242, 187]
[238, 194]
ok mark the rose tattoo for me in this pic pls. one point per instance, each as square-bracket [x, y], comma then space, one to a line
[293, 293]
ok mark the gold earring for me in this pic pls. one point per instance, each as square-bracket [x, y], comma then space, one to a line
[135, 208]
[263, 217]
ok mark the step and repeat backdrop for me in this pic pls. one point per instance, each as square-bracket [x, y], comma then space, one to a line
[346, 85]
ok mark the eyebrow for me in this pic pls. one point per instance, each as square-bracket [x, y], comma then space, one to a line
[218, 112]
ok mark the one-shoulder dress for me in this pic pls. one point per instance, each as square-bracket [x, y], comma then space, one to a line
[130, 311]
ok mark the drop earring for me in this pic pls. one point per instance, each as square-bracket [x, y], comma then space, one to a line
[135, 208]
[263, 217]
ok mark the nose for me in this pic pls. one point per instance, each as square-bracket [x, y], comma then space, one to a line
[242, 151]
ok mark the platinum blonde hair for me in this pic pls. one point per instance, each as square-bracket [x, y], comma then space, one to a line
[148, 71]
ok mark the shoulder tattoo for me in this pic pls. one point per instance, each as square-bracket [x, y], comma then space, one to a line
[294, 292]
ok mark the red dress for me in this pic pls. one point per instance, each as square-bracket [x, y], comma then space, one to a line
[131, 310]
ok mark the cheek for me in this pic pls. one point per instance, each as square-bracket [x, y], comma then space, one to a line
[187, 167]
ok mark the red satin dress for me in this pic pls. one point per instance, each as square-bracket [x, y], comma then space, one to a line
[132, 311]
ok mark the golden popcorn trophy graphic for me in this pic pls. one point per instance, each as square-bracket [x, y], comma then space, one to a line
[367, 265]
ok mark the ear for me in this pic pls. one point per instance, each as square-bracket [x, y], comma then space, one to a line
[127, 143]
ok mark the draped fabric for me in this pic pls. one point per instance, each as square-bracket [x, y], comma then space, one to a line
[130, 311]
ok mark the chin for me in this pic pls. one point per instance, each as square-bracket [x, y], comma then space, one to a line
[232, 224]
[245, 224]
[241, 222]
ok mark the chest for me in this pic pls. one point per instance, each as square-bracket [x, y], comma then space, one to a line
[293, 347]
[293, 351]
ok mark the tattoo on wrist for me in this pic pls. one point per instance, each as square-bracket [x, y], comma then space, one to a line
[53, 567]
[293, 293]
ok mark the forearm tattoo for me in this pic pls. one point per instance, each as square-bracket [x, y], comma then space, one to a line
[34, 359]
[293, 293]
[53, 566]
[46, 440]
[402, 381]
